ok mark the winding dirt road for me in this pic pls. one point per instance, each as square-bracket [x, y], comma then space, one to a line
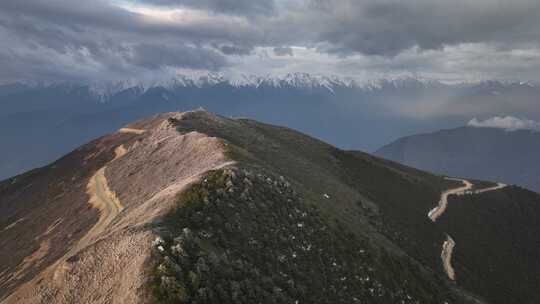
[103, 199]
[435, 213]
[499, 186]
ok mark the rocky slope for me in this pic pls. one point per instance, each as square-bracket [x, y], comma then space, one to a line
[482, 153]
[197, 208]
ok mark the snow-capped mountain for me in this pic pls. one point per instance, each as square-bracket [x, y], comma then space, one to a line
[104, 91]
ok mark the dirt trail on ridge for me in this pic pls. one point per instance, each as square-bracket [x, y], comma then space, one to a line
[497, 187]
[131, 131]
[103, 199]
[435, 213]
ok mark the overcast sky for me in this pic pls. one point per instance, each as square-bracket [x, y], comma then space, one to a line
[93, 40]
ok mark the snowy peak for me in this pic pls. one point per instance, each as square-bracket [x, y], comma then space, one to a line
[297, 80]
[103, 91]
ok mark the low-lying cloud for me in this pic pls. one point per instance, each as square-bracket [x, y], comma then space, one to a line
[509, 123]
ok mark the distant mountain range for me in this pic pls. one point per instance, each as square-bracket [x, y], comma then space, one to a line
[39, 122]
[510, 156]
[107, 90]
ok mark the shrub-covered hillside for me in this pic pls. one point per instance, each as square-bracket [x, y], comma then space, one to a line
[299, 220]
[241, 237]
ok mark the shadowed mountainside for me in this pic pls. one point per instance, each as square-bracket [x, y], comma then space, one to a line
[497, 235]
[483, 153]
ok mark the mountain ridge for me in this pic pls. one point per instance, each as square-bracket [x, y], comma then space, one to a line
[200, 194]
[147, 171]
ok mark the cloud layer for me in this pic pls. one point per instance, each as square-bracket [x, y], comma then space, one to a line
[234, 7]
[100, 39]
[509, 123]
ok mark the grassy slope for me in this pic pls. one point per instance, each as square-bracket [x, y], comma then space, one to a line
[374, 200]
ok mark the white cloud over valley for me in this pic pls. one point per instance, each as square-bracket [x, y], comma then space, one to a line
[509, 123]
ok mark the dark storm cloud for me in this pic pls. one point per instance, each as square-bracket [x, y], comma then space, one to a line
[100, 38]
[89, 17]
[69, 14]
[389, 27]
[161, 56]
[235, 7]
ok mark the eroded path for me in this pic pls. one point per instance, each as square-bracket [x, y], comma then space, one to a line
[131, 130]
[446, 256]
[435, 213]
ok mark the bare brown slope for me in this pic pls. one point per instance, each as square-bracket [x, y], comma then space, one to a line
[108, 265]
[46, 211]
